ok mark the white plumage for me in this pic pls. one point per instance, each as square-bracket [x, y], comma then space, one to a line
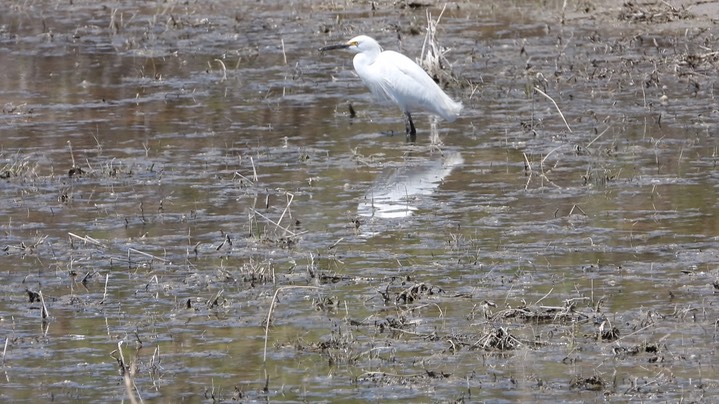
[394, 78]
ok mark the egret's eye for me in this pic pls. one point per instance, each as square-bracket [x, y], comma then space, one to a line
[354, 43]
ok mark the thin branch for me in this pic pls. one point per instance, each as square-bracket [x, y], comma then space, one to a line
[555, 105]
[272, 307]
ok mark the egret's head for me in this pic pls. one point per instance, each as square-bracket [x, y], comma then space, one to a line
[358, 44]
[363, 43]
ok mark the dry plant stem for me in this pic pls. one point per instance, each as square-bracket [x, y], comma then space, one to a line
[4, 350]
[598, 136]
[122, 356]
[429, 47]
[543, 174]
[528, 166]
[575, 206]
[254, 170]
[127, 377]
[275, 223]
[129, 250]
[215, 298]
[224, 69]
[555, 106]
[129, 387]
[104, 295]
[114, 25]
[45, 314]
[245, 178]
[541, 164]
[432, 57]
[333, 245]
[155, 357]
[72, 155]
[86, 239]
[289, 202]
[272, 307]
[385, 374]
[635, 332]
[544, 297]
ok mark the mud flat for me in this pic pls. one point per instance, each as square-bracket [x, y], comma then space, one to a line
[198, 205]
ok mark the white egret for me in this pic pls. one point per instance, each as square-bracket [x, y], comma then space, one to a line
[394, 78]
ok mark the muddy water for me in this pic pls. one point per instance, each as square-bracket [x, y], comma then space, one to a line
[171, 170]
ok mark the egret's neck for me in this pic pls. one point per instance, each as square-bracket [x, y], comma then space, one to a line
[365, 58]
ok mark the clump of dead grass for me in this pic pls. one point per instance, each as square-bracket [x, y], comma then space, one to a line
[657, 12]
[17, 167]
[433, 58]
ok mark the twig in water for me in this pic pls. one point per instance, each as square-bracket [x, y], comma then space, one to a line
[224, 69]
[72, 155]
[130, 249]
[245, 178]
[336, 243]
[227, 240]
[273, 222]
[544, 297]
[127, 375]
[289, 202]
[104, 295]
[154, 363]
[578, 208]
[598, 136]
[635, 332]
[215, 299]
[86, 239]
[541, 164]
[45, 314]
[254, 171]
[4, 350]
[555, 106]
[527, 169]
[269, 313]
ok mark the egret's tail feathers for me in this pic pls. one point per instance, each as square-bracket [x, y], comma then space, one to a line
[455, 111]
[451, 110]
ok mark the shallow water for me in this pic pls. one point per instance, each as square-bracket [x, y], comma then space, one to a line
[160, 201]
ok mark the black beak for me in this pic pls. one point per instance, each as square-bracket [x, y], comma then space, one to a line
[333, 47]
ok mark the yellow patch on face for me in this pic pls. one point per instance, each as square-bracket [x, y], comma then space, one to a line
[353, 43]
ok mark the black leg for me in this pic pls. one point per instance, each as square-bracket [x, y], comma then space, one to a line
[409, 126]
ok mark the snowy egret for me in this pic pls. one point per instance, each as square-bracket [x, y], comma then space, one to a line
[394, 78]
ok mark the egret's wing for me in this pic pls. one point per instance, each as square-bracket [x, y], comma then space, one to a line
[380, 87]
[407, 83]
[395, 78]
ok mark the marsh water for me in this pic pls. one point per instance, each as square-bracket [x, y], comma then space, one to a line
[175, 175]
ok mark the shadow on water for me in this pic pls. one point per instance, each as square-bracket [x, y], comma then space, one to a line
[177, 178]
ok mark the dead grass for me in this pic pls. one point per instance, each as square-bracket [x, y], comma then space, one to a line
[433, 58]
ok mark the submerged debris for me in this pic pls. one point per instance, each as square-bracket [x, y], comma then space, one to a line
[543, 314]
[594, 383]
[415, 292]
[498, 339]
[657, 12]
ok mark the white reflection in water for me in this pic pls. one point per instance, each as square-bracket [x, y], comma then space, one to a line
[394, 194]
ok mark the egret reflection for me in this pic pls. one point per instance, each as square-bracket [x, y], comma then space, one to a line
[395, 192]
